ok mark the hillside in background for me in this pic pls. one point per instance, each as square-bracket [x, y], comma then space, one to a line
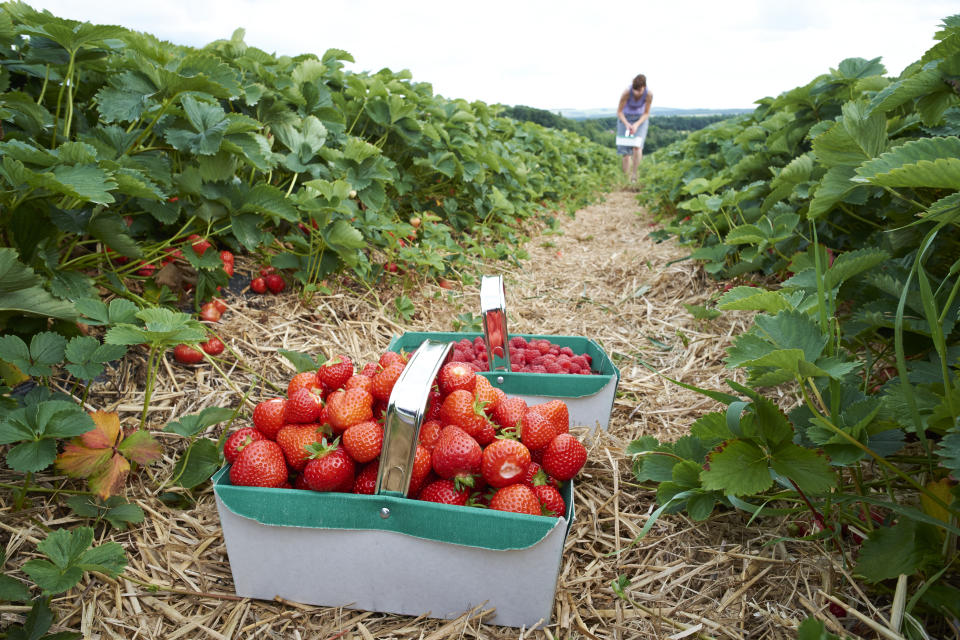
[589, 114]
[664, 129]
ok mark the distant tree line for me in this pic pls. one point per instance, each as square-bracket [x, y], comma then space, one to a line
[663, 131]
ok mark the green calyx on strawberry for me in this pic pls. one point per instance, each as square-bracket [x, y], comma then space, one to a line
[334, 373]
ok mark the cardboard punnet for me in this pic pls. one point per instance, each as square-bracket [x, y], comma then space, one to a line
[589, 399]
[391, 554]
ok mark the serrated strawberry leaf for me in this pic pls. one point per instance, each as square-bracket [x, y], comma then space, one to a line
[46, 349]
[755, 299]
[904, 548]
[140, 447]
[949, 450]
[195, 466]
[811, 472]
[36, 427]
[740, 468]
[700, 506]
[115, 510]
[69, 555]
[301, 361]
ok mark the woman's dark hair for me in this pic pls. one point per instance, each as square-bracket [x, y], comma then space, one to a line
[640, 81]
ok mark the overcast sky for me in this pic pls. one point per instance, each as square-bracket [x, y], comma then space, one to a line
[560, 54]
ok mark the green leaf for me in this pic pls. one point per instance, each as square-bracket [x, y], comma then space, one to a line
[190, 425]
[115, 510]
[700, 506]
[200, 461]
[21, 290]
[927, 162]
[756, 299]
[10, 588]
[904, 548]
[835, 186]
[30, 457]
[740, 468]
[852, 263]
[36, 625]
[949, 450]
[268, 200]
[811, 472]
[700, 312]
[301, 361]
[208, 122]
[113, 231]
[813, 629]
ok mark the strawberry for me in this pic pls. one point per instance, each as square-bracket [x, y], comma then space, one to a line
[200, 245]
[456, 455]
[504, 462]
[237, 440]
[564, 457]
[444, 492]
[499, 397]
[334, 373]
[294, 440]
[536, 431]
[303, 380]
[366, 481]
[219, 304]
[509, 413]
[434, 402]
[460, 409]
[391, 357]
[329, 468]
[348, 407]
[486, 433]
[359, 381]
[258, 285]
[214, 346]
[456, 375]
[485, 395]
[185, 354]
[518, 498]
[259, 464]
[269, 417]
[422, 467]
[556, 412]
[303, 407]
[226, 257]
[370, 369]
[430, 433]
[550, 500]
[385, 379]
[363, 441]
[275, 283]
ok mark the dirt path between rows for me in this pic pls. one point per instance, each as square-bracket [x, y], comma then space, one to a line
[596, 274]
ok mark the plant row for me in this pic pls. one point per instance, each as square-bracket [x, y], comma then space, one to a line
[832, 211]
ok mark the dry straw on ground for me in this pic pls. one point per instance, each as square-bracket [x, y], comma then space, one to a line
[597, 274]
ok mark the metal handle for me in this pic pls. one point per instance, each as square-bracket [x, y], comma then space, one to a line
[493, 309]
[405, 412]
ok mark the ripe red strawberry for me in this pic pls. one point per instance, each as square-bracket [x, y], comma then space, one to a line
[260, 464]
[237, 440]
[359, 381]
[456, 455]
[219, 304]
[275, 283]
[200, 245]
[303, 380]
[434, 402]
[385, 379]
[303, 407]
[370, 369]
[294, 440]
[366, 481]
[509, 413]
[422, 467]
[485, 395]
[185, 354]
[258, 285]
[504, 462]
[556, 412]
[348, 407]
[329, 469]
[551, 500]
[334, 373]
[486, 433]
[363, 441]
[460, 409]
[456, 375]
[536, 431]
[564, 457]
[430, 433]
[444, 492]
[498, 397]
[214, 346]
[269, 416]
[518, 498]
[391, 357]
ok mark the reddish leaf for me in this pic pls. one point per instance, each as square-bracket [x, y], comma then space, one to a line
[140, 447]
[109, 478]
[102, 454]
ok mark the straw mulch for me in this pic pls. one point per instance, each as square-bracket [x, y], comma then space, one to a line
[596, 274]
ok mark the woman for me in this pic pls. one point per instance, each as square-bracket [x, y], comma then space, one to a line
[633, 118]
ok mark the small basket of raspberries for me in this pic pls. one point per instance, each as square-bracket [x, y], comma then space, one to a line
[475, 446]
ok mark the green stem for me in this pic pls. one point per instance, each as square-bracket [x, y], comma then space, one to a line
[36, 489]
[148, 391]
[68, 122]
